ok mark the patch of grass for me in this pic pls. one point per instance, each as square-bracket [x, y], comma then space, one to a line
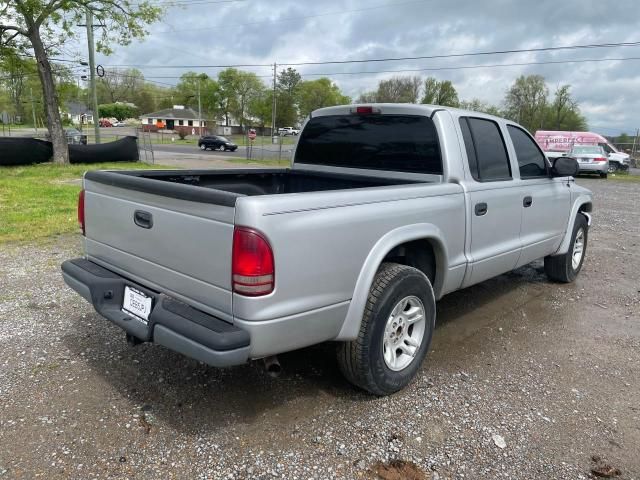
[266, 162]
[38, 201]
[623, 177]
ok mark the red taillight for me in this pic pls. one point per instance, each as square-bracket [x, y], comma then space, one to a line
[81, 210]
[252, 267]
[599, 159]
[364, 110]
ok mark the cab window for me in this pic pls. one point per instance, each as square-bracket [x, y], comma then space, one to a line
[531, 161]
[486, 152]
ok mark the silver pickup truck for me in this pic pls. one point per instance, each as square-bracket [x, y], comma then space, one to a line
[385, 209]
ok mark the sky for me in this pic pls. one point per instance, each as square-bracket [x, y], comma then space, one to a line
[210, 32]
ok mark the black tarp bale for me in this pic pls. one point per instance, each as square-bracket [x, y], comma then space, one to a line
[24, 151]
[122, 150]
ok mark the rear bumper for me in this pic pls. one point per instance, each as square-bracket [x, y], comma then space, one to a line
[171, 323]
[593, 167]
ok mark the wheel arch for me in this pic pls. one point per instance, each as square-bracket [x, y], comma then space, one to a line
[581, 206]
[390, 242]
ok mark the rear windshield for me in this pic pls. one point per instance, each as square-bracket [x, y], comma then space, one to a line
[403, 143]
[586, 149]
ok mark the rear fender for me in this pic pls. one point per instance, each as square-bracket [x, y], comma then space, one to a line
[390, 240]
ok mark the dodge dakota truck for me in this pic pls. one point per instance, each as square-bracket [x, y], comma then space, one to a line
[384, 209]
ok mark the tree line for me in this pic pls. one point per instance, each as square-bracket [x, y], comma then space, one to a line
[527, 101]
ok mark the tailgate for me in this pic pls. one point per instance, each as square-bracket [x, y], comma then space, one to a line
[181, 247]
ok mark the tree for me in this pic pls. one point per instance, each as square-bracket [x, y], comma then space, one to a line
[45, 25]
[187, 93]
[526, 101]
[288, 81]
[121, 111]
[440, 93]
[319, 93]
[119, 85]
[564, 113]
[477, 105]
[368, 97]
[399, 90]
[238, 89]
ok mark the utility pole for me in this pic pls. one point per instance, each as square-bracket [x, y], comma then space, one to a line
[92, 71]
[636, 139]
[199, 108]
[273, 108]
[33, 110]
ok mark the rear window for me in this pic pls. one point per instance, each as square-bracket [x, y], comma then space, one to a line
[586, 149]
[403, 143]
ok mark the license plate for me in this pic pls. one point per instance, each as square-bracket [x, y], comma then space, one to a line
[136, 303]
[585, 160]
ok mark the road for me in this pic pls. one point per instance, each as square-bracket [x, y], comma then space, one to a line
[550, 369]
[258, 153]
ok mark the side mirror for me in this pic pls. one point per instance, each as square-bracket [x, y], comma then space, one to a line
[565, 167]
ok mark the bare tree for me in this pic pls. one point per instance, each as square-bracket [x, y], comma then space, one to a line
[399, 90]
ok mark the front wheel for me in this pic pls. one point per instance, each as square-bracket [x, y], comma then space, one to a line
[565, 268]
[395, 332]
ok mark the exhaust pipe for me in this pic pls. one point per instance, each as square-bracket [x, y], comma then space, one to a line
[272, 366]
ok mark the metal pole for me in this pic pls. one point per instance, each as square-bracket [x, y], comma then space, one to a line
[33, 111]
[92, 71]
[199, 108]
[635, 140]
[273, 109]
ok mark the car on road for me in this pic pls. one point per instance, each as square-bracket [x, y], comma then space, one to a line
[118, 123]
[285, 131]
[591, 159]
[385, 209]
[216, 142]
[73, 135]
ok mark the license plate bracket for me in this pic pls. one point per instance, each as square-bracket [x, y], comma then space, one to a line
[137, 303]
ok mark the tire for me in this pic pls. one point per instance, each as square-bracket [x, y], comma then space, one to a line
[562, 268]
[365, 362]
[603, 175]
[222, 148]
[203, 147]
[613, 167]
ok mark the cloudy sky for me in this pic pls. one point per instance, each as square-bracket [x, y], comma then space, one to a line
[203, 32]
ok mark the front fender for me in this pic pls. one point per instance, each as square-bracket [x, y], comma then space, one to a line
[575, 209]
[390, 240]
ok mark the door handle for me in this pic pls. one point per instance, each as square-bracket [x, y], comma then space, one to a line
[481, 209]
[143, 219]
[527, 201]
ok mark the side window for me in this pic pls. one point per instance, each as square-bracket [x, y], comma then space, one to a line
[606, 148]
[489, 152]
[531, 161]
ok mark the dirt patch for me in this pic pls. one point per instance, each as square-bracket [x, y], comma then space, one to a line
[398, 470]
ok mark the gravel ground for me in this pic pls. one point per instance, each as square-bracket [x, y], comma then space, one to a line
[526, 379]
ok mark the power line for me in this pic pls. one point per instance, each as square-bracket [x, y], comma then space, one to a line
[395, 59]
[472, 54]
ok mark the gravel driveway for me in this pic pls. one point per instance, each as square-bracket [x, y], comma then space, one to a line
[526, 379]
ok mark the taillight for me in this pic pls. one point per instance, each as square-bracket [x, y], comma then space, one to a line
[81, 210]
[252, 266]
[600, 159]
[364, 110]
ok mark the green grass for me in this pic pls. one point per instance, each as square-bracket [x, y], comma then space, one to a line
[271, 162]
[38, 201]
[623, 177]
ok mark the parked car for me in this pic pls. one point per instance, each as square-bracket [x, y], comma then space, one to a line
[558, 143]
[284, 131]
[74, 136]
[385, 209]
[105, 123]
[216, 142]
[591, 159]
[118, 123]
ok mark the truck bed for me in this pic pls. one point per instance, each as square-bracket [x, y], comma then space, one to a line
[223, 187]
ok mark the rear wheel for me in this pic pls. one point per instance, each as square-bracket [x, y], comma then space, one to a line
[565, 268]
[613, 167]
[203, 146]
[222, 149]
[603, 175]
[395, 332]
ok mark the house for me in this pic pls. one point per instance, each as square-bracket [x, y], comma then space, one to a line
[78, 113]
[174, 119]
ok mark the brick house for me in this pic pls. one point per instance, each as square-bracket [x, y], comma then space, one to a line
[174, 119]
